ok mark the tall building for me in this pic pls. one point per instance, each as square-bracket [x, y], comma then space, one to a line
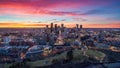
[51, 27]
[46, 26]
[80, 26]
[47, 29]
[55, 26]
[77, 26]
[62, 25]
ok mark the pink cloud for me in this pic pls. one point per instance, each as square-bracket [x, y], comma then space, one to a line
[23, 11]
[43, 6]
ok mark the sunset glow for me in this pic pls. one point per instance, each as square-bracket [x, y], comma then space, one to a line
[38, 13]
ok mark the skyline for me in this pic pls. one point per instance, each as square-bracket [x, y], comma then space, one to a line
[38, 13]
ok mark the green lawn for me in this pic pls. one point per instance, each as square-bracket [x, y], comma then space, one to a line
[77, 56]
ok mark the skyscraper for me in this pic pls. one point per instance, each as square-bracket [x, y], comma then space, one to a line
[62, 25]
[51, 27]
[77, 26]
[55, 26]
[46, 26]
[80, 26]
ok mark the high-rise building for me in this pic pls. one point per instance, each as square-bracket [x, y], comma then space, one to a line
[62, 25]
[51, 27]
[80, 26]
[77, 26]
[47, 29]
[46, 26]
[55, 26]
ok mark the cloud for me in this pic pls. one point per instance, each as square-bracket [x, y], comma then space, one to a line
[95, 11]
[114, 24]
[79, 19]
[63, 20]
[47, 6]
[79, 10]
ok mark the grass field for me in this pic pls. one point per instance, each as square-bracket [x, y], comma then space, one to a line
[77, 56]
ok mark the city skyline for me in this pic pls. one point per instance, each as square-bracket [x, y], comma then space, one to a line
[39, 13]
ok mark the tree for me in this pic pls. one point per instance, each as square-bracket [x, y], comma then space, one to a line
[69, 55]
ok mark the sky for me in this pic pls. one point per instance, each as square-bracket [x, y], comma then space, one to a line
[38, 13]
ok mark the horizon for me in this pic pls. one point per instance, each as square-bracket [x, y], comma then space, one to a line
[19, 25]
